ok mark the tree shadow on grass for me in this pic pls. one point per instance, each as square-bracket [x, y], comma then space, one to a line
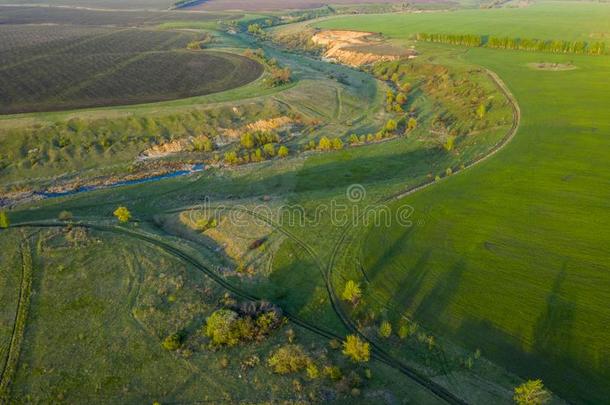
[435, 304]
[553, 327]
[551, 356]
[412, 282]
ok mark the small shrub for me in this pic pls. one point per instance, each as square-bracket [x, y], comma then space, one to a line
[411, 124]
[173, 341]
[385, 329]
[250, 362]
[333, 372]
[4, 221]
[531, 392]
[356, 349]
[352, 292]
[65, 216]
[231, 158]
[282, 152]
[312, 371]
[288, 359]
[122, 214]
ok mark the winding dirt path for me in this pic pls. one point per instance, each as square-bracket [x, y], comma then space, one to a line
[21, 314]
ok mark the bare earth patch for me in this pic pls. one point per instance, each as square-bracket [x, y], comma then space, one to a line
[553, 67]
[357, 48]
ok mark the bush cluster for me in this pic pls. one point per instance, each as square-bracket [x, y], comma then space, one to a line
[247, 322]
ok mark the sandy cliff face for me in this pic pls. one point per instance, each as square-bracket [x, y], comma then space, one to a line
[357, 48]
[165, 149]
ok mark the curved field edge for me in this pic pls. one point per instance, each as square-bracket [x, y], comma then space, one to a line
[528, 222]
[335, 282]
[206, 72]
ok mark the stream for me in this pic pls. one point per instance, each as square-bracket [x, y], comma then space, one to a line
[194, 169]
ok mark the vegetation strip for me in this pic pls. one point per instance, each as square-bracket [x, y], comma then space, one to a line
[21, 314]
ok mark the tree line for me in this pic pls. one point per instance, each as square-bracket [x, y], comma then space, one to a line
[453, 39]
[525, 44]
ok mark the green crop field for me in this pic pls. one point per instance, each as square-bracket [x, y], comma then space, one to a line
[513, 256]
[448, 211]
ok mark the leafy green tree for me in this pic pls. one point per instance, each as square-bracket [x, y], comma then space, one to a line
[353, 139]
[401, 98]
[324, 144]
[389, 97]
[356, 349]
[282, 151]
[269, 149]
[352, 292]
[247, 140]
[391, 126]
[337, 144]
[122, 214]
[411, 124]
[288, 359]
[256, 156]
[221, 328]
[531, 392]
[4, 221]
[385, 329]
[231, 158]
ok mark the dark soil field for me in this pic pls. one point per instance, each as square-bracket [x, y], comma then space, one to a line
[78, 16]
[265, 5]
[114, 4]
[115, 67]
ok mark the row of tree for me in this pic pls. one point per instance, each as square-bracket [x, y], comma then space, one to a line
[526, 44]
[541, 45]
[453, 39]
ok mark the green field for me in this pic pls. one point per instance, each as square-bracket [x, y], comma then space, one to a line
[513, 256]
[568, 20]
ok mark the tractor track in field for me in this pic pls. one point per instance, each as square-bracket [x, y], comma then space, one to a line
[21, 313]
[176, 252]
[378, 353]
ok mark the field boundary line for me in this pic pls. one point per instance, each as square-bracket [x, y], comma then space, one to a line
[23, 305]
[510, 134]
[434, 387]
